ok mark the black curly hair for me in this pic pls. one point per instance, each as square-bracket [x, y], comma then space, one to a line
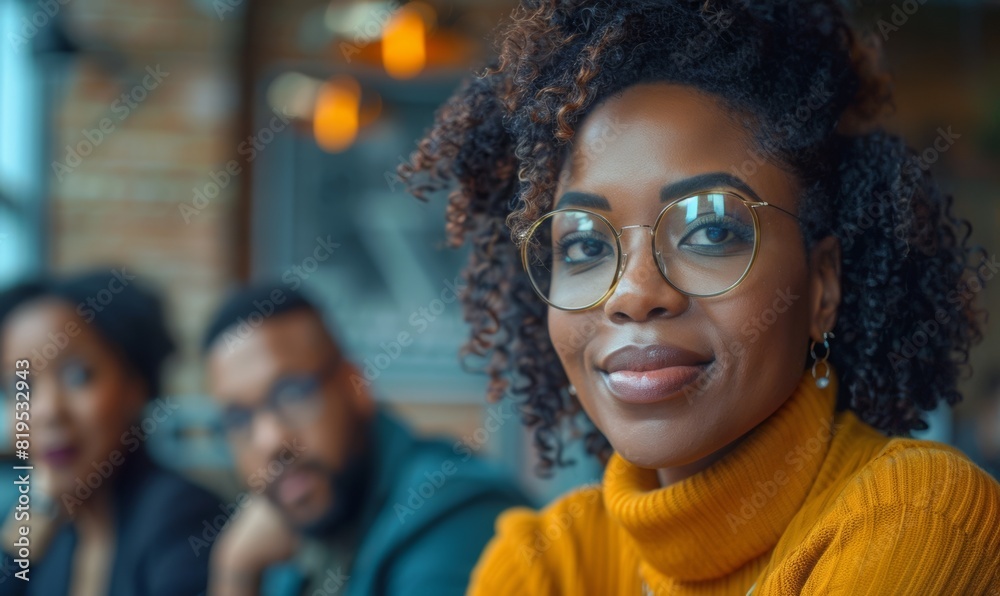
[812, 89]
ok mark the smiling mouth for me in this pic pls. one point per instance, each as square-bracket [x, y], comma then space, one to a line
[652, 386]
[651, 374]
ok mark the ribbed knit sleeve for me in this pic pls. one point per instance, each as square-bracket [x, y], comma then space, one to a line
[507, 565]
[918, 520]
[570, 547]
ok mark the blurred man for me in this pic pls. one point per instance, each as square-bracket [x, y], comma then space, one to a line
[354, 503]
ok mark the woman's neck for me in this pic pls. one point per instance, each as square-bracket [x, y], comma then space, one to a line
[668, 476]
[94, 556]
[95, 516]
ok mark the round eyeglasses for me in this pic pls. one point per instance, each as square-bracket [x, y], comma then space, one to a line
[703, 244]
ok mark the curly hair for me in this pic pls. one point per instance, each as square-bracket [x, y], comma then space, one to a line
[810, 86]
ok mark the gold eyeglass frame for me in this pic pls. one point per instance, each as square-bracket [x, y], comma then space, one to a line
[623, 256]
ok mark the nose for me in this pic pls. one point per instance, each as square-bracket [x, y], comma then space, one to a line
[269, 433]
[642, 292]
[48, 408]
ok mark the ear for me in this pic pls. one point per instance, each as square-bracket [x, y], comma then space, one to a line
[824, 286]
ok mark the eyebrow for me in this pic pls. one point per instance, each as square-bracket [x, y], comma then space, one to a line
[674, 190]
[575, 198]
[710, 180]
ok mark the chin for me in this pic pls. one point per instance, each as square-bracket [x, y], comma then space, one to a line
[304, 516]
[657, 447]
[650, 457]
[63, 485]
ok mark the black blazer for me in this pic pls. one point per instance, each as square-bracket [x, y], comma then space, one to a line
[162, 520]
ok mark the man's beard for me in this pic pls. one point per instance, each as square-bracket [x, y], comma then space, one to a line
[350, 489]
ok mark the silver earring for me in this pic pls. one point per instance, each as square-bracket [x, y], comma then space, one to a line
[824, 381]
[572, 390]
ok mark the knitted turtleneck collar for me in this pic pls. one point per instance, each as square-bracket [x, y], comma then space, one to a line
[716, 521]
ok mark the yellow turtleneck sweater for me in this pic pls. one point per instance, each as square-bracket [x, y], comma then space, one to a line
[811, 502]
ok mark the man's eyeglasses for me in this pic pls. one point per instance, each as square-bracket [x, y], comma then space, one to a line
[294, 400]
[704, 245]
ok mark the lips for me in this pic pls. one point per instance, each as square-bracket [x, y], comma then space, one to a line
[294, 486]
[60, 456]
[649, 374]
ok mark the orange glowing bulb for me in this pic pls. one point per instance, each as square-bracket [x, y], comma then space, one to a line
[336, 117]
[404, 44]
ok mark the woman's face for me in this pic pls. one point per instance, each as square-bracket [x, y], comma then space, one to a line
[669, 379]
[82, 397]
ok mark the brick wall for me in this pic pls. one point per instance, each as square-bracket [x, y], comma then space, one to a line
[120, 203]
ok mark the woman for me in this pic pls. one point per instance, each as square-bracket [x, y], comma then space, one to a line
[104, 518]
[707, 222]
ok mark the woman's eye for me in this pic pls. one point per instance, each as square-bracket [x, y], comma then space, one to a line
[718, 238]
[75, 374]
[710, 235]
[583, 250]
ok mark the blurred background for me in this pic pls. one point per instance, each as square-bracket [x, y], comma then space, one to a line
[201, 143]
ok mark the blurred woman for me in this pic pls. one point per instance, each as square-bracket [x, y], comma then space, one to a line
[105, 519]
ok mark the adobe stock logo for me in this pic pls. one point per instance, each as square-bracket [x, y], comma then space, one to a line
[123, 107]
[767, 488]
[420, 320]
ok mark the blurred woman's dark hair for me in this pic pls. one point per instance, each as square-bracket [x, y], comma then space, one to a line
[131, 320]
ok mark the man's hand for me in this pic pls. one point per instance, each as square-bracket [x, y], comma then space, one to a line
[257, 538]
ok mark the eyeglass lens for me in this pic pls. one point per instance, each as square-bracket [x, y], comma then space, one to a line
[291, 398]
[703, 244]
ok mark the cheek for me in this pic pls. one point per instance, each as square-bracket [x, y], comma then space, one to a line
[101, 414]
[570, 333]
[764, 326]
[331, 438]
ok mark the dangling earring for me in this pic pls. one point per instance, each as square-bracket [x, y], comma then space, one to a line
[824, 381]
[572, 390]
